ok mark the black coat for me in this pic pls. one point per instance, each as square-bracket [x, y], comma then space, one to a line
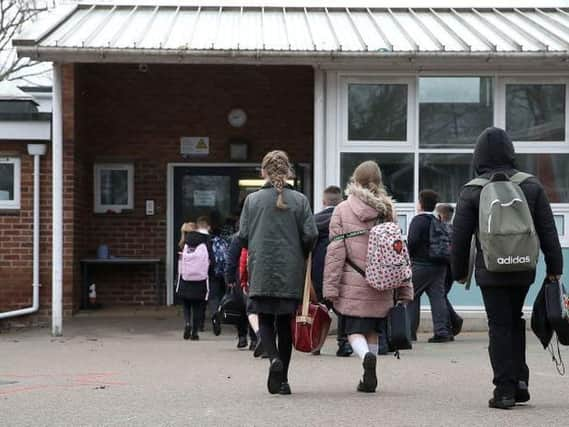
[322, 219]
[418, 238]
[495, 153]
[232, 260]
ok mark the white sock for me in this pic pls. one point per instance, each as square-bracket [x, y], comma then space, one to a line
[374, 348]
[359, 345]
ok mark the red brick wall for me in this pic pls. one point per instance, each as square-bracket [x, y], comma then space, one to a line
[16, 227]
[125, 115]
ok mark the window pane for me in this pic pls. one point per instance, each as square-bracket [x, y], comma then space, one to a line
[114, 187]
[402, 220]
[445, 173]
[453, 111]
[6, 181]
[560, 224]
[535, 112]
[377, 112]
[552, 170]
[397, 170]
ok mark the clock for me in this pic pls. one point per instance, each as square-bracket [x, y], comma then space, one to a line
[237, 117]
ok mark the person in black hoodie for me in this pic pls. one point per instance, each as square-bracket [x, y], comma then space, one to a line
[503, 293]
[332, 198]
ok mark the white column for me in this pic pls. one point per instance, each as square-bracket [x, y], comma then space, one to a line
[57, 205]
[319, 139]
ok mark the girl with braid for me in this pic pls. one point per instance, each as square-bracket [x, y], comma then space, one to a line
[278, 228]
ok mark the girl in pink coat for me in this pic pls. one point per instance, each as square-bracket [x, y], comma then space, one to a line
[363, 307]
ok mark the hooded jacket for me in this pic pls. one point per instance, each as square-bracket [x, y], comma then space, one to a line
[343, 286]
[495, 152]
[278, 240]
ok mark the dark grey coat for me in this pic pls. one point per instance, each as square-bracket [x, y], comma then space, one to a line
[279, 241]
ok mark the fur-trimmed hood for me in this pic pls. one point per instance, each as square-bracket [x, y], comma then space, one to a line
[368, 206]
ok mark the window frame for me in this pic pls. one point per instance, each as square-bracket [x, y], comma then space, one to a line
[500, 118]
[15, 204]
[367, 145]
[100, 208]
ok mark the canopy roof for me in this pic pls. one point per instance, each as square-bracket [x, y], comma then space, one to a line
[85, 32]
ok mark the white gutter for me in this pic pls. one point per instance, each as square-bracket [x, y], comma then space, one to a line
[35, 150]
[57, 205]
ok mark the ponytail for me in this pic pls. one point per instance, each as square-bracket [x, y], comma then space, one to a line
[277, 167]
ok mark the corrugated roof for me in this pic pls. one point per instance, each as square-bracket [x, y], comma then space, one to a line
[292, 31]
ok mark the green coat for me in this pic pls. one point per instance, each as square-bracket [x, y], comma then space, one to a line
[279, 242]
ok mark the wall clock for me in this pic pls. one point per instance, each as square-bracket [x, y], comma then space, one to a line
[237, 117]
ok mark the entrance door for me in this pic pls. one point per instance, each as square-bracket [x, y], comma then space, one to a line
[217, 193]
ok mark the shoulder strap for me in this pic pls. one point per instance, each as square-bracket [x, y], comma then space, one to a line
[477, 182]
[520, 177]
[355, 267]
[349, 235]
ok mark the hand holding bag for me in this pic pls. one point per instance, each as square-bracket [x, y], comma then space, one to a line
[399, 329]
[232, 306]
[557, 309]
[311, 324]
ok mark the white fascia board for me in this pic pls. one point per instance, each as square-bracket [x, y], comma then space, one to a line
[25, 130]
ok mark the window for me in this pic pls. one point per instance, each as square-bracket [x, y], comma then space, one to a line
[377, 112]
[535, 112]
[9, 183]
[453, 111]
[397, 170]
[114, 187]
[552, 170]
[445, 173]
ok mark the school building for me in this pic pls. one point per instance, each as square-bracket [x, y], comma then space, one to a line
[162, 112]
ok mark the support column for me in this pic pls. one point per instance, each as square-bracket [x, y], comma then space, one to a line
[57, 204]
[319, 139]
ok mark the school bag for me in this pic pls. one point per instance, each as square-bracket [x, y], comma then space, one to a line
[388, 265]
[194, 263]
[439, 241]
[506, 231]
[219, 247]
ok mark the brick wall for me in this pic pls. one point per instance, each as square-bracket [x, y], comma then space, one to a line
[125, 115]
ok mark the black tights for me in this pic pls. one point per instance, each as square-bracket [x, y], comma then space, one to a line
[193, 313]
[269, 334]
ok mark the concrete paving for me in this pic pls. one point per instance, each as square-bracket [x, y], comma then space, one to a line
[135, 370]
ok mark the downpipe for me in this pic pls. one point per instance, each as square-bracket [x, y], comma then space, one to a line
[35, 150]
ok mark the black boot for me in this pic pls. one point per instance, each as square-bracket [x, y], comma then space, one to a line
[187, 331]
[369, 382]
[502, 400]
[242, 343]
[522, 392]
[344, 349]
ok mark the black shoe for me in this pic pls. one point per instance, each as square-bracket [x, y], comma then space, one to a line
[275, 376]
[242, 343]
[195, 337]
[258, 349]
[187, 332]
[457, 327]
[502, 402]
[437, 339]
[344, 350]
[252, 345]
[522, 392]
[216, 324]
[369, 382]
[285, 389]
[316, 353]
[265, 355]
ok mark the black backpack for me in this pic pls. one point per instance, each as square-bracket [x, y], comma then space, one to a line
[439, 241]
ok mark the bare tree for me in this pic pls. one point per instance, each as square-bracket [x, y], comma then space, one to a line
[14, 14]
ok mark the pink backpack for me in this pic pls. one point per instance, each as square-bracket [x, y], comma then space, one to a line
[194, 263]
[388, 264]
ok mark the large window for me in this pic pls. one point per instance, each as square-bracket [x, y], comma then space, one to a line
[9, 183]
[535, 112]
[552, 170]
[377, 112]
[453, 111]
[114, 187]
[397, 170]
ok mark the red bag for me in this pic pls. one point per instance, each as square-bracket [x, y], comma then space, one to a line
[311, 324]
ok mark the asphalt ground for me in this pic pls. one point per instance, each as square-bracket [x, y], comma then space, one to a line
[137, 371]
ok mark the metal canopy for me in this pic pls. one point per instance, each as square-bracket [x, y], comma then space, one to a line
[180, 30]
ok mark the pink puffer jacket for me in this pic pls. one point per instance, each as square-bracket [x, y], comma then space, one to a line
[346, 288]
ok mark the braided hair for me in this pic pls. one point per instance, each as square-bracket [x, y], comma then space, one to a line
[277, 167]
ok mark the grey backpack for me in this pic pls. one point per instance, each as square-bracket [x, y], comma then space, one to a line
[505, 226]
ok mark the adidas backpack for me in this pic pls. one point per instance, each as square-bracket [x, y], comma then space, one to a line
[505, 226]
[219, 247]
[194, 263]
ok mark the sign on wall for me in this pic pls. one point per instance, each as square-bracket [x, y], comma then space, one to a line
[204, 198]
[194, 145]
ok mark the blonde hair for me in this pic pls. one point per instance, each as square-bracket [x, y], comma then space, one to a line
[368, 175]
[187, 227]
[277, 167]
